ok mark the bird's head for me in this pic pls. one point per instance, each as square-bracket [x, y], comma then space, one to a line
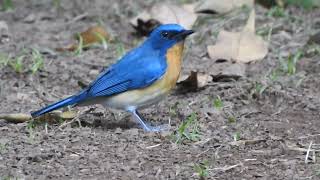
[165, 36]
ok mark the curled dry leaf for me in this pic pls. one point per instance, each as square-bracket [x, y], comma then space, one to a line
[50, 117]
[244, 46]
[93, 35]
[164, 14]
[16, 117]
[220, 7]
[193, 82]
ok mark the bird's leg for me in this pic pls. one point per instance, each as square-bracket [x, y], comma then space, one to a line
[146, 126]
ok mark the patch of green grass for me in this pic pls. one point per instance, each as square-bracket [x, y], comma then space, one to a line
[30, 128]
[263, 31]
[7, 5]
[3, 147]
[185, 1]
[79, 49]
[9, 178]
[202, 169]
[306, 4]
[232, 119]
[317, 173]
[236, 136]
[120, 49]
[173, 110]
[259, 88]
[188, 130]
[4, 60]
[32, 124]
[17, 64]
[102, 40]
[289, 65]
[276, 12]
[274, 75]
[56, 3]
[217, 103]
[37, 61]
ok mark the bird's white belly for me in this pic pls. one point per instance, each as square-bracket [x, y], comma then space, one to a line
[134, 99]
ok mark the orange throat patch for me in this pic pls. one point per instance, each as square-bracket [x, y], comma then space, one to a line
[174, 61]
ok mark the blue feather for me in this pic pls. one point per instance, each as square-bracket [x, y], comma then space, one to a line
[65, 102]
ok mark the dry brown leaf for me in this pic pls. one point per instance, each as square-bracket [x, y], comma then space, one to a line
[89, 37]
[144, 28]
[193, 82]
[67, 115]
[244, 46]
[50, 117]
[166, 14]
[16, 117]
[220, 7]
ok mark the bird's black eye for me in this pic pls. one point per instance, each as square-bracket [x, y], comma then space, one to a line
[165, 34]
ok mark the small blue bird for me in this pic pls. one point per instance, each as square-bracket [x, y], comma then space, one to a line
[141, 78]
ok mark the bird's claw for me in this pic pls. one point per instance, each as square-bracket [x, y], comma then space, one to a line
[160, 128]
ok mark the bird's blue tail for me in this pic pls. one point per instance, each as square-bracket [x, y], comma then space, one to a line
[66, 102]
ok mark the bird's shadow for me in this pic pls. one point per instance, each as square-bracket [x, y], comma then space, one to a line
[107, 121]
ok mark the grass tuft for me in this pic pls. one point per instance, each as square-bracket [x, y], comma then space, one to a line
[188, 130]
[38, 61]
[202, 169]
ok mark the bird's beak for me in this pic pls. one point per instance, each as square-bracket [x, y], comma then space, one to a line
[183, 34]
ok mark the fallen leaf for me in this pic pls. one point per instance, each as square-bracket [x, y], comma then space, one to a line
[221, 7]
[193, 82]
[93, 35]
[67, 115]
[165, 14]
[145, 27]
[53, 116]
[271, 3]
[16, 117]
[244, 46]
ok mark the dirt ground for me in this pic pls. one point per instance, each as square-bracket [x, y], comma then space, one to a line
[273, 129]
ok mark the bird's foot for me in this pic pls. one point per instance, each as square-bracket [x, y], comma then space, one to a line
[159, 128]
[146, 126]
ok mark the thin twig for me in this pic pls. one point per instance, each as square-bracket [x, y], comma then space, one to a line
[226, 168]
[153, 146]
[306, 160]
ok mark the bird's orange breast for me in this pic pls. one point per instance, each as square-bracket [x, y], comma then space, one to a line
[155, 92]
[174, 60]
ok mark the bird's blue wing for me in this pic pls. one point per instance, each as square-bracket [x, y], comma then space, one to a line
[133, 74]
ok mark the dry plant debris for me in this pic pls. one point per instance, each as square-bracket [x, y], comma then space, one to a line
[51, 117]
[93, 35]
[221, 7]
[164, 13]
[193, 82]
[240, 47]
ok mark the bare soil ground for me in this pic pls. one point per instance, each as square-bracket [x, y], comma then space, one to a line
[273, 129]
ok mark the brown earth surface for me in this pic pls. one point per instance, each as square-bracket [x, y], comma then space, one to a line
[273, 128]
